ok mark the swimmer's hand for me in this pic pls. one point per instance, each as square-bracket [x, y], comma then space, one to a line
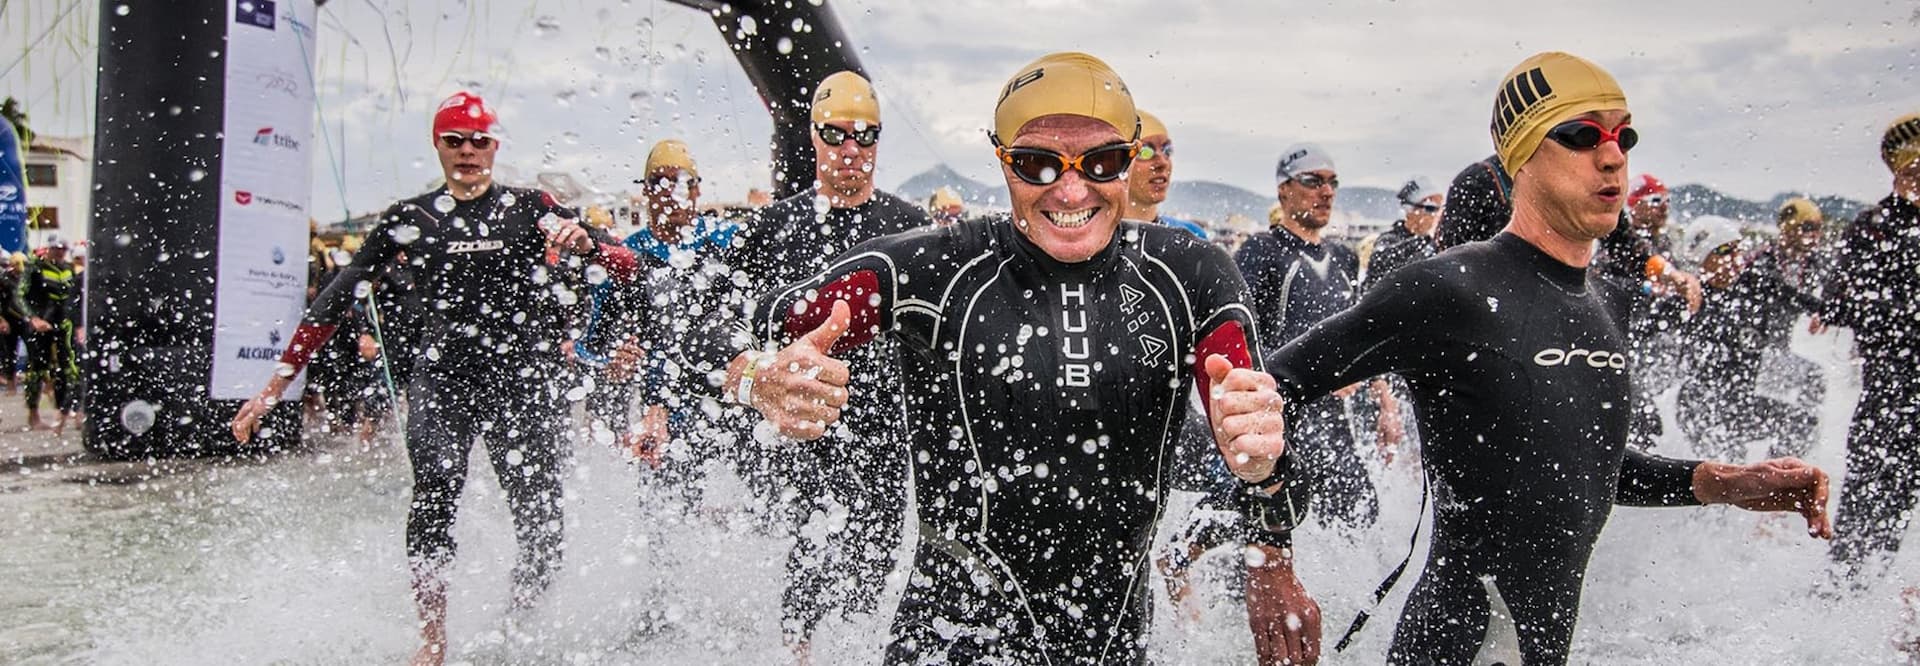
[1780, 484]
[1245, 413]
[247, 420]
[648, 441]
[800, 389]
[569, 236]
[1285, 620]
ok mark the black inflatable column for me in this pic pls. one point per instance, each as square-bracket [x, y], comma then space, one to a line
[155, 236]
[786, 47]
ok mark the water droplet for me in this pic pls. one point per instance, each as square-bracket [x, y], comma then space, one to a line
[443, 203]
[507, 199]
[404, 234]
[137, 417]
[342, 258]
[122, 10]
[784, 46]
[195, 175]
[596, 274]
[123, 240]
[362, 289]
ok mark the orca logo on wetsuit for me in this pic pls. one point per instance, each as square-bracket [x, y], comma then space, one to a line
[1593, 358]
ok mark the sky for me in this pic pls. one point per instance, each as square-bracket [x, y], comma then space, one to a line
[1753, 98]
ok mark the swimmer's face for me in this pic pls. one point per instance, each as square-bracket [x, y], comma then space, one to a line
[672, 197]
[1649, 214]
[1722, 266]
[469, 165]
[1421, 222]
[1072, 218]
[845, 170]
[1148, 179]
[1580, 192]
[1309, 207]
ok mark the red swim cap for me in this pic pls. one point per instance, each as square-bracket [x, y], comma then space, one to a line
[1643, 185]
[464, 111]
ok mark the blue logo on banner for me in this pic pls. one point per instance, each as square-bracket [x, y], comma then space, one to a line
[13, 192]
[255, 13]
[279, 256]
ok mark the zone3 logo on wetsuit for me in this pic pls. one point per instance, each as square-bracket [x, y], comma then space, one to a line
[1043, 401]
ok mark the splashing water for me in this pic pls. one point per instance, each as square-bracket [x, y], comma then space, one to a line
[301, 559]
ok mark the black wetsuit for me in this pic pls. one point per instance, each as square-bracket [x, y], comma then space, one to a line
[1394, 248]
[1043, 401]
[14, 312]
[1651, 322]
[861, 469]
[1523, 390]
[489, 352]
[50, 291]
[395, 324]
[1479, 204]
[1875, 290]
[1295, 284]
[1722, 404]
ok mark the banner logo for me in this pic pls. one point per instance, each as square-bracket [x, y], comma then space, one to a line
[265, 136]
[257, 13]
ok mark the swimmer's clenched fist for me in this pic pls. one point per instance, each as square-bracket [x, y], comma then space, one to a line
[1246, 418]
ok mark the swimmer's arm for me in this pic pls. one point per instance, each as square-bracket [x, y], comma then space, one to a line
[1650, 480]
[1376, 336]
[334, 303]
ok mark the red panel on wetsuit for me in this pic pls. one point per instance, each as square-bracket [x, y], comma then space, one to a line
[1229, 340]
[306, 340]
[620, 261]
[861, 291]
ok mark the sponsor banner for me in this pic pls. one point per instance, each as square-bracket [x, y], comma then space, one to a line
[265, 183]
[13, 190]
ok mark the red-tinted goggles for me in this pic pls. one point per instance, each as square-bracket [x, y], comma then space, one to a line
[1039, 166]
[1584, 134]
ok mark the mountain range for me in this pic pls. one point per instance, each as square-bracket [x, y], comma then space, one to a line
[1215, 201]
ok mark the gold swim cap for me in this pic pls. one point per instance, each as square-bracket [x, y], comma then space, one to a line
[1150, 125]
[1900, 146]
[1546, 90]
[845, 96]
[1067, 83]
[672, 153]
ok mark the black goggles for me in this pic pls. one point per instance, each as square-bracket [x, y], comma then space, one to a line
[834, 136]
[1584, 134]
[454, 140]
[1039, 166]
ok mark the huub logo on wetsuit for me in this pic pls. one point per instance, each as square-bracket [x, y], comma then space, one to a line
[1553, 356]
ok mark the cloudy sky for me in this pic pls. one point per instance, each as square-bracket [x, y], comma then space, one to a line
[1754, 98]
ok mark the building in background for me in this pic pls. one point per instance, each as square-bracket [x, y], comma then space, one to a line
[59, 172]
